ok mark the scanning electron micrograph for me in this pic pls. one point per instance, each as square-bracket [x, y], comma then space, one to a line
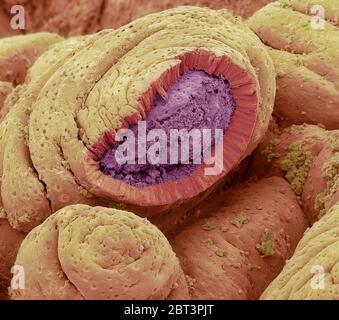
[169, 150]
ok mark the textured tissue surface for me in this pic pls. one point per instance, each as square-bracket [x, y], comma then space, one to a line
[83, 252]
[79, 93]
[196, 101]
[74, 17]
[17, 55]
[232, 250]
[239, 240]
[307, 156]
[304, 51]
[312, 272]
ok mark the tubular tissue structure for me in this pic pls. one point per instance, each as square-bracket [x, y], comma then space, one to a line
[83, 225]
[312, 273]
[17, 55]
[61, 131]
[304, 49]
[308, 158]
[82, 252]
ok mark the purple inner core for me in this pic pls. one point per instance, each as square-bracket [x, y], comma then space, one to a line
[196, 101]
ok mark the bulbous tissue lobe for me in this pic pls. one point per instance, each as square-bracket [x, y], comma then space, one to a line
[83, 252]
[312, 273]
[238, 240]
[304, 49]
[17, 55]
[307, 156]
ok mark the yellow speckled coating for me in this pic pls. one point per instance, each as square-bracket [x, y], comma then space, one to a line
[308, 157]
[5, 89]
